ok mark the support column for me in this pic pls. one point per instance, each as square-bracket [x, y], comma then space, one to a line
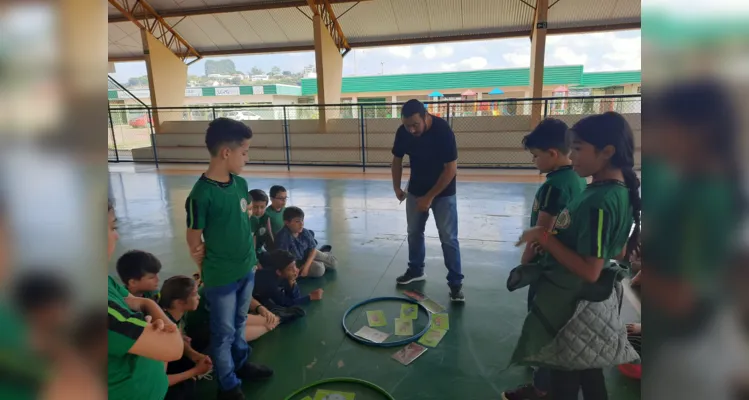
[538, 49]
[167, 79]
[395, 109]
[329, 65]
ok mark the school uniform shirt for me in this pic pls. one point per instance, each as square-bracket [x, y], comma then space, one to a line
[428, 155]
[220, 210]
[196, 323]
[276, 218]
[268, 286]
[154, 295]
[556, 192]
[259, 226]
[22, 370]
[298, 246]
[129, 376]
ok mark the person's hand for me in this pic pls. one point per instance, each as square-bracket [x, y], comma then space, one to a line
[316, 294]
[197, 358]
[273, 324]
[270, 318]
[537, 249]
[400, 194]
[160, 325]
[203, 366]
[634, 329]
[186, 338]
[198, 254]
[532, 235]
[304, 272]
[423, 203]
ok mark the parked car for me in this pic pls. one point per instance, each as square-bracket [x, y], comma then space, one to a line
[140, 122]
[242, 116]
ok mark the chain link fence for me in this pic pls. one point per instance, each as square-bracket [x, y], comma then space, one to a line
[488, 132]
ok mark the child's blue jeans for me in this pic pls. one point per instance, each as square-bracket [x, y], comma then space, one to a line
[228, 315]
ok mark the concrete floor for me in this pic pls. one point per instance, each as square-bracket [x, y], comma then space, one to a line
[366, 226]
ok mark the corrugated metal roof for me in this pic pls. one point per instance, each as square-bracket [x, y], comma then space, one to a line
[565, 75]
[366, 23]
[286, 90]
[602, 79]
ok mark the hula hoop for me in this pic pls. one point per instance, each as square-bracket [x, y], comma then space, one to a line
[347, 380]
[388, 344]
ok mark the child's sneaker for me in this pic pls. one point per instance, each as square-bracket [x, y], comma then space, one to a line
[408, 277]
[326, 248]
[456, 294]
[525, 392]
[254, 372]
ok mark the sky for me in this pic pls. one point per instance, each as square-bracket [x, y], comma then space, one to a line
[601, 51]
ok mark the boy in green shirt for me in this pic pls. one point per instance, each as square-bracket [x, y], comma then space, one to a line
[278, 196]
[217, 212]
[139, 272]
[260, 223]
[547, 143]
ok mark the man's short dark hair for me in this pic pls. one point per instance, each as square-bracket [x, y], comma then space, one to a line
[412, 107]
[135, 264]
[258, 195]
[548, 134]
[226, 132]
[275, 190]
[292, 212]
[279, 259]
[35, 291]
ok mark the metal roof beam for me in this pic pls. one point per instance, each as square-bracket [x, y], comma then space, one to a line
[324, 10]
[395, 42]
[189, 12]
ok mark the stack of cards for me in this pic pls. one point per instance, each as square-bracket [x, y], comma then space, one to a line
[373, 335]
[409, 353]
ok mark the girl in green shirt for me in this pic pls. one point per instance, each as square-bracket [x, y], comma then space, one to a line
[593, 229]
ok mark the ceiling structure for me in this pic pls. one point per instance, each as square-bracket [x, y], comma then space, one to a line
[229, 27]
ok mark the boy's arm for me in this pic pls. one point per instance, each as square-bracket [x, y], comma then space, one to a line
[547, 221]
[308, 262]
[281, 296]
[195, 243]
[128, 333]
[550, 204]
[292, 291]
[147, 307]
[196, 208]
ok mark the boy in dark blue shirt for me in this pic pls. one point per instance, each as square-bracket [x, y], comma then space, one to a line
[302, 245]
[275, 284]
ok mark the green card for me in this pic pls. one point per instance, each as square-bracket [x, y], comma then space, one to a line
[432, 337]
[404, 327]
[441, 321]
[376, 318]
[410, 311]
[333, 395]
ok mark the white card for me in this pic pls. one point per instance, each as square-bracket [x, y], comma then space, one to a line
[371, 334]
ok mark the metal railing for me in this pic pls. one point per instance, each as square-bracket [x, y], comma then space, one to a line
[357, 134]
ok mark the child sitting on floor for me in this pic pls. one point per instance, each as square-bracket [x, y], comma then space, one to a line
[302, 245]
[139, 272]
[260, 222]
[276, 284]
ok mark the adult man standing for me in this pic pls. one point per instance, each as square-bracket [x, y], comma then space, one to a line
[430, 144]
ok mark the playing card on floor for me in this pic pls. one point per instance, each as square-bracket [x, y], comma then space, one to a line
[440, 321]
[432, 337]
[404, 327]
[376, 318]
[373, 335]
[333, 395]
[432, 306]
[409, 353]
[414, 294]
[410, 311]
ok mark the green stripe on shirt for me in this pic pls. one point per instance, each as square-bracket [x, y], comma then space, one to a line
[599, 236]
[119, 317]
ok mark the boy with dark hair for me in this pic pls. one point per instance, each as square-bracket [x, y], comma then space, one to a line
[139, 272]
[277, 282]
[302, 245]
[548, 145]
[217, 211]
[261, 225]
[278, 197]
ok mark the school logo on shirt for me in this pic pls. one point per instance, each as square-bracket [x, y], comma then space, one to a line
[243, 204]
[535, 205]
[563, 220]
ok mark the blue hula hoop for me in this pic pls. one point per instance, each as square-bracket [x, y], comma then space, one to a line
[386, 344]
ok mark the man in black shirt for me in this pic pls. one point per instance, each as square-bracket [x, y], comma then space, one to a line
[430, 144]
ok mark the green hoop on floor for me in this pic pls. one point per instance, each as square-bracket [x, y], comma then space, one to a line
[346, 380]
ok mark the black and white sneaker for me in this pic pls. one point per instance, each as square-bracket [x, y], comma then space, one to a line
[408, 277]
[456, 294]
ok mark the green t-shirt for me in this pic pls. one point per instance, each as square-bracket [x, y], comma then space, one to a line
[596, 223]
[129, 376]
[561, 186]
[220, 210]
[197, 324]
[260, 230]
[153, 295]
[276, 218]
[23, 372]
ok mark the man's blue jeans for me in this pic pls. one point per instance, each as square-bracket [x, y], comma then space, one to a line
[446, 217]
[228, 315]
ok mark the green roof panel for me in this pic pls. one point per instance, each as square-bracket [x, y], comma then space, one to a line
[564, 75]
[605, 79]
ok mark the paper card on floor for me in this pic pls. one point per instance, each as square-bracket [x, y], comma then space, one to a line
[410, 311]
[414, 294]
[432, 306]
[432, 337]
[409, 353]
[333, 395]
[441, 321]
[404, 327]
[376, 318]
[373, 335]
